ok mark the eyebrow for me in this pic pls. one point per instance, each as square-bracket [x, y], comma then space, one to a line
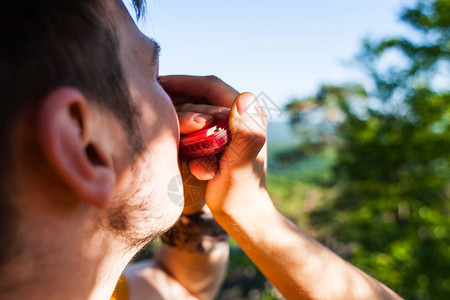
[156, 51]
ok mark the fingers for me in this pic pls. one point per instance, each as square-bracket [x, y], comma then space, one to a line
[203, 168]
[218, 112]
[192, 122]
[194, 191]
[247, 121]
[194, 117]
[211, 88]
[248, 126]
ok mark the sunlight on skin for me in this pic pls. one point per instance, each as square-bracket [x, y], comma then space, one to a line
[159, 124]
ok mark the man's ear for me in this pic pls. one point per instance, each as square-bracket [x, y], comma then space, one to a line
[78, 159]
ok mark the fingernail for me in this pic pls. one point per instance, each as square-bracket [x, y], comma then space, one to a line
[202, 118]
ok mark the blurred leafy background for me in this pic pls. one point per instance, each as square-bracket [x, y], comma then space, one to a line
[366, 168]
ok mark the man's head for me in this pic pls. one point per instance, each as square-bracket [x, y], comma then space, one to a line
[87, 132]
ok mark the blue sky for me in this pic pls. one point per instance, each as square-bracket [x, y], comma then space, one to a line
[283, 48]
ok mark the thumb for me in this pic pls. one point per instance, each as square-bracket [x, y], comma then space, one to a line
[248, 127]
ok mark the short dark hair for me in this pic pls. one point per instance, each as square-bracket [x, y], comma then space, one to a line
[46, 44]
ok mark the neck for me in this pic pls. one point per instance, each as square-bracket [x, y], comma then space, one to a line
[65, 262]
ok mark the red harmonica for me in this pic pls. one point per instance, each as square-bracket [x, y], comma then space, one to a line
[205, 142]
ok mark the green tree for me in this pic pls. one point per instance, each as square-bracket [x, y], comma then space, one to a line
[392, 169]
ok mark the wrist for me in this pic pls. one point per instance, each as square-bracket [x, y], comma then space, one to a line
[248, 212]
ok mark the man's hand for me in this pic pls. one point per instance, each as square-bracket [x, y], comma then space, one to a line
[192, 118]
[240, 173]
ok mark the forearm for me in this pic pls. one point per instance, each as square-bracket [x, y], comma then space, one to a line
[294, 262]
[202, 274]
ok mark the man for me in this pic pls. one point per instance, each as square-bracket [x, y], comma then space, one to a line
[90, 139]
[90, 144]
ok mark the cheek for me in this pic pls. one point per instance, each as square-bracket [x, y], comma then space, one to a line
[163, 157]
[147, 190]
[166, 159]
[166, 140]
[168, 114]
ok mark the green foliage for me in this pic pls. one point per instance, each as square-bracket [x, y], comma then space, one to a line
[391, 175]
